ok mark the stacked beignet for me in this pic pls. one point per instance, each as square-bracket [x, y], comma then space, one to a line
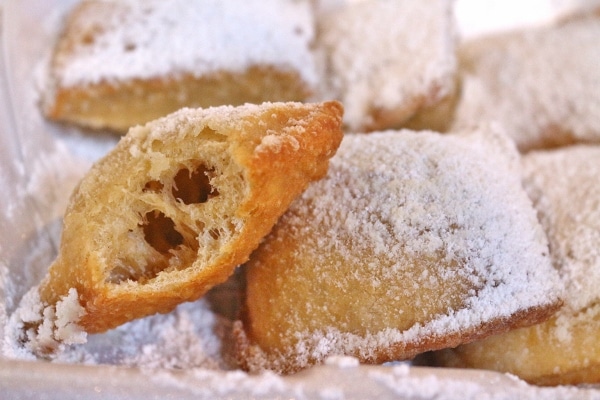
[390, 61]
[565, 190]
[541, 84]
[174, 208]
[412, 242]
[122, 63]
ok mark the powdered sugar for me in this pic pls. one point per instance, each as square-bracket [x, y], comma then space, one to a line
[43, 329]
[157, 38]
[539, 83]
[189, 337]
[401, 67]
[125, 345]
[390, 199]
[429, 174]
[406, 384]
[564, 186]
[342, 361]
[274, 143]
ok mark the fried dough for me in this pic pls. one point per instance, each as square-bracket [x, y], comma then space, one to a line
[564, 350]
[122, 63]
[413, 242]
[390, 61]
[540, 83]
[180, 202]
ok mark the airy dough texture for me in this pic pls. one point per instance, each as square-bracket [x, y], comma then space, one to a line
[389, 60]
[122, 63]
[564, 350]
[413, 242]
[183, 200]
[541, 84]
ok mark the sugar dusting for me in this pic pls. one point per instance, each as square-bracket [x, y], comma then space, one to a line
[539, 83]
[404, 383]
[45, 328]
[387, 34]
[404, 196]
[189, 337]
[249, 33]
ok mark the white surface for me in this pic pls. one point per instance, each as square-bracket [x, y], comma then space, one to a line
[331, 382]
[41, 162]
[476, 17]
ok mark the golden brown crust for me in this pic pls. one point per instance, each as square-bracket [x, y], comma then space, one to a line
[535, 354]
[101, 105]
[144, 232]
[251, 357]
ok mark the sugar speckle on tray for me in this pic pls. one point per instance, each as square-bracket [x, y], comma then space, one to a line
[191, 336]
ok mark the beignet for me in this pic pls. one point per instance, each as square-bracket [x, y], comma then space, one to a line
[413, 242]
[122, 63]
[178, 204]
[388, 61]
[540, 83]
[564, 350]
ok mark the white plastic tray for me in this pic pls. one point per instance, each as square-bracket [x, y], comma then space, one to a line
[41, 162]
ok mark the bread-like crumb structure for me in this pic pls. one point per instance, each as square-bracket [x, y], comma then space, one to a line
[180, 202]
[413, 242]
[564, 350]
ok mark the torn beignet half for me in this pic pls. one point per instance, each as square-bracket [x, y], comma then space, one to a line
[180, 202]
[564, 350]
[413, 242]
